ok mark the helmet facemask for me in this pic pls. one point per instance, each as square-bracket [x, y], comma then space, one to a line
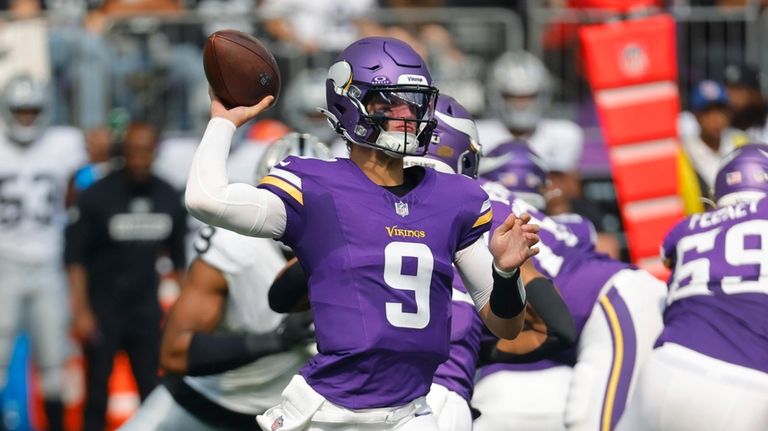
[398, 120]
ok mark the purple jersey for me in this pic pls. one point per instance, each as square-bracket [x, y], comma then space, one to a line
[380, 272]
[458, 372]
[718, 289]
[567, 256]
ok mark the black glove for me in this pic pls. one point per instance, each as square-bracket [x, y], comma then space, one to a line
[296, 328]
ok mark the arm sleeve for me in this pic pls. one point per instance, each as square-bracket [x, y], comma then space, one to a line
[240, 207]
[288, 289]
[474, 264]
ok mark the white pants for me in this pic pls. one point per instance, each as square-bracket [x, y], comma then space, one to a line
[522, 400]
[160, 412]
[449, 408]
[616, 339]
[34, 296]
[304, 409]
[681, 389]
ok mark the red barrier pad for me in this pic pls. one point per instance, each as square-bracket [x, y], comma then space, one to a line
[638, 113]
[615, 5]
[628, 53]
[647, 222]
[645, 171]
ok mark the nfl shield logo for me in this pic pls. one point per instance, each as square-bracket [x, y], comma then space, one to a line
[401, 208]
[277, 424]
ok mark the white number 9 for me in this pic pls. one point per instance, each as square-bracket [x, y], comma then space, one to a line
[419, 283]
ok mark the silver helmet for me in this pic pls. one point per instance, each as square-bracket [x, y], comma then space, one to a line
[292, 144]
[304, 94]
[27, 96]
[519, 89]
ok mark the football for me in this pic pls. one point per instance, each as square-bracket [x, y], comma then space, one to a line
[240, 70]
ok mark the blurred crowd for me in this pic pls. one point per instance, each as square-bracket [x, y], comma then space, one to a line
[121, 81]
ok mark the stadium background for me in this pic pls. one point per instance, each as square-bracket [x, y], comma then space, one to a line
[167, 37]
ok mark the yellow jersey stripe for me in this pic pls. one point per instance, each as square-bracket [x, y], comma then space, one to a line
[618, 358]
[284, 186]
[483, 219]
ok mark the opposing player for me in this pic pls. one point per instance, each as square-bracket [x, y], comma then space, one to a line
[223, 303]
[455, 149]
[710, 369]
[377, 242]
[617, 311]
[36, 161]
[520, 92]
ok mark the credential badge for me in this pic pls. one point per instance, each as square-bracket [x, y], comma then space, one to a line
[401, 208]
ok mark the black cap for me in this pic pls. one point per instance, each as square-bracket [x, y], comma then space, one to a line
[742, 75]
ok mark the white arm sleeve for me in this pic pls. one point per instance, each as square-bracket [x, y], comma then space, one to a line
[240, 207]
[474, 263]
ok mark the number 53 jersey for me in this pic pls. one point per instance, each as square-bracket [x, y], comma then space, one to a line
[33, 181]
[718, 290]
[380, 273]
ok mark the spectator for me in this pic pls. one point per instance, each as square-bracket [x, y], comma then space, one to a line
[746, 101]
[709, 105]
[122, 224]
[100, 162]
[318, 25]
[35, 162]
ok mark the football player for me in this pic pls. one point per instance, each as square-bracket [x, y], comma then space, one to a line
[224, 297]
[710, 367]
[617, 310]
[519, 92]
[36, 161]
[376, 241]
[455, 149]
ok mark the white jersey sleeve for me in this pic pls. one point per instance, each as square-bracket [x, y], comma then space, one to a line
[210, 197]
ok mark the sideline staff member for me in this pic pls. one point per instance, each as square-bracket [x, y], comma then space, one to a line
[121, 225]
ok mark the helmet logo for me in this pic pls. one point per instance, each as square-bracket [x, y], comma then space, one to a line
[401, 208]
[360, 130]
[412, 79]
[380, 80]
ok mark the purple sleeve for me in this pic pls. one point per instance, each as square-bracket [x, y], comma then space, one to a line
[285, 181]
[478, 221]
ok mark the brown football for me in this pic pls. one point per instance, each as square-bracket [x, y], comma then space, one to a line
[240, 70]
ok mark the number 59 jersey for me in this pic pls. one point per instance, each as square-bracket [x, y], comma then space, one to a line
[380, 272]
[718, 289]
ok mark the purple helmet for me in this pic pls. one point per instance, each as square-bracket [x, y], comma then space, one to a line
[379, 94]
[455, 147]
[515, 166]
[743, 175]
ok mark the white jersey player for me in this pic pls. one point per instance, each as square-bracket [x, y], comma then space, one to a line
[36, 162]
[710, 368]
[236, 352]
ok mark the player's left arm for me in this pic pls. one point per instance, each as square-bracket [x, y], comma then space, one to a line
[492, 277]
[290, 290]
[192, 346]
[177, 242]
[549, 327]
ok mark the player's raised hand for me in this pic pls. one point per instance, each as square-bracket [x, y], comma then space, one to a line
[512, 242]
[238, 115]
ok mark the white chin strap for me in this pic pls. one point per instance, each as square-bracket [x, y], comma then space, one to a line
[392, 143]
